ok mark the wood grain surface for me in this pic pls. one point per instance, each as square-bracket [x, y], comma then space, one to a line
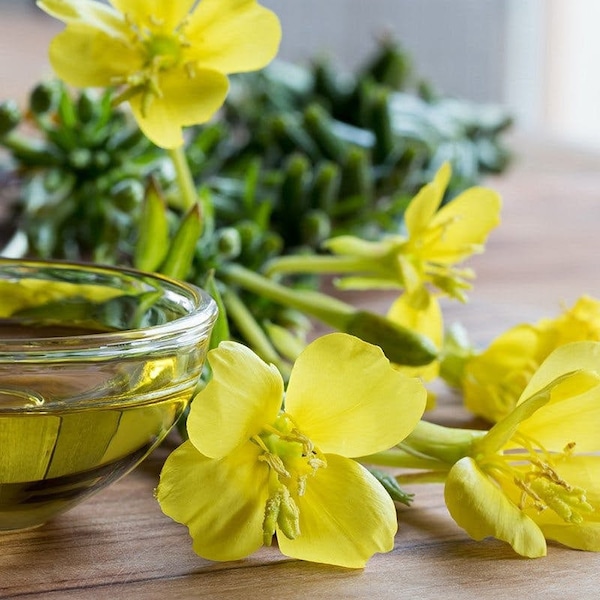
[119, 545]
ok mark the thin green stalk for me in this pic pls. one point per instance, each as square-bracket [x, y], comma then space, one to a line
[329, 310]
[187, 187]
[400, 344]
[400, 458]
[251, 330]
[446, 444]
[317, 264]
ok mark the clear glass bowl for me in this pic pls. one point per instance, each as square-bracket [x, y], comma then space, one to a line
[96, 366]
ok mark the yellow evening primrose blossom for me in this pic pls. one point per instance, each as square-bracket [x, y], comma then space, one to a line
[438, 238]
[252, 469]
[493, 380]
[170, 58]
[536, 474]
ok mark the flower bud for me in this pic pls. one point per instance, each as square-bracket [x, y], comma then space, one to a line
[402, 346]
[127, 193]
[229, 243]
[44, 97]
[10, 116]
[315, 227]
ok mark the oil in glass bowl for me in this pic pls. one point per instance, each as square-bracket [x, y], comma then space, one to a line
[96, 366]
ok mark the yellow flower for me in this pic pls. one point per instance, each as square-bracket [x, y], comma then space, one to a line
[536, 474]
[493, 380]
[438, 238]
[170, 58]
[251, 469]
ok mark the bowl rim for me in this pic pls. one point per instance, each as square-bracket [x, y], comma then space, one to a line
[193, 323]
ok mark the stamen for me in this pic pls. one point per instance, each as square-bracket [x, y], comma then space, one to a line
[275, 463]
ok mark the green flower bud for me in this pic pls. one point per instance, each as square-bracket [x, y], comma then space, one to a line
[127, 194]
[316, 227]
[87, 107]
[101, 160]
[325, 186]
[250, 235]
[319, 125]
[44, 97]
[10, 116]
[229, 243]
[80, 158]
[271, 245]
[402, 346]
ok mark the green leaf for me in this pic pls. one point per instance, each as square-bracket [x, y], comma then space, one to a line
[153, 239]
[183, 247]
[220, 331]
[392, 487]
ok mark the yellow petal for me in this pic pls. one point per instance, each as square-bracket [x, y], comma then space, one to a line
[84, 56]
[164, 15]
[571, 415]
[480, 507]
[185, 101]
[346, 397]
[243, 395]
[494, 380]
[233, 36]
[499, 436]
[573, 412]
[462, 226]
[585, 536]
[93, 14]
[222, 502]
[345, 517]
[424, 205]
[576, 356]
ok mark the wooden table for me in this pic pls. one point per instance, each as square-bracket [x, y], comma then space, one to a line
[120, 545]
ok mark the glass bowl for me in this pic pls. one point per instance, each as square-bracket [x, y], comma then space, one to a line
[96, 366]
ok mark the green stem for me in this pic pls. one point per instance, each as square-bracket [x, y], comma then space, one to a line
[187, 187]
[30, 150]
[251, 330]
[317, 264]
[402, 458]
[446, 444]
[401, 345]
[325, 308]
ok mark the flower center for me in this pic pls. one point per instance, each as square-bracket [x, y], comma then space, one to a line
[292, 458]
[160, 51]
[163, 51]
[546, 489]
[535, 472]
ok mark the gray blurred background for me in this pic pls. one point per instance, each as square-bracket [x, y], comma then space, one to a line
[538, 57]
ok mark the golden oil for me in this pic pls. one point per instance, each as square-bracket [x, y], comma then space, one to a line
[67, 433]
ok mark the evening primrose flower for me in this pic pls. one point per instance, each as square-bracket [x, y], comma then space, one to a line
[252, 469]
[171, 59]
[438, 238]
[536, 474]
[493, 380]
